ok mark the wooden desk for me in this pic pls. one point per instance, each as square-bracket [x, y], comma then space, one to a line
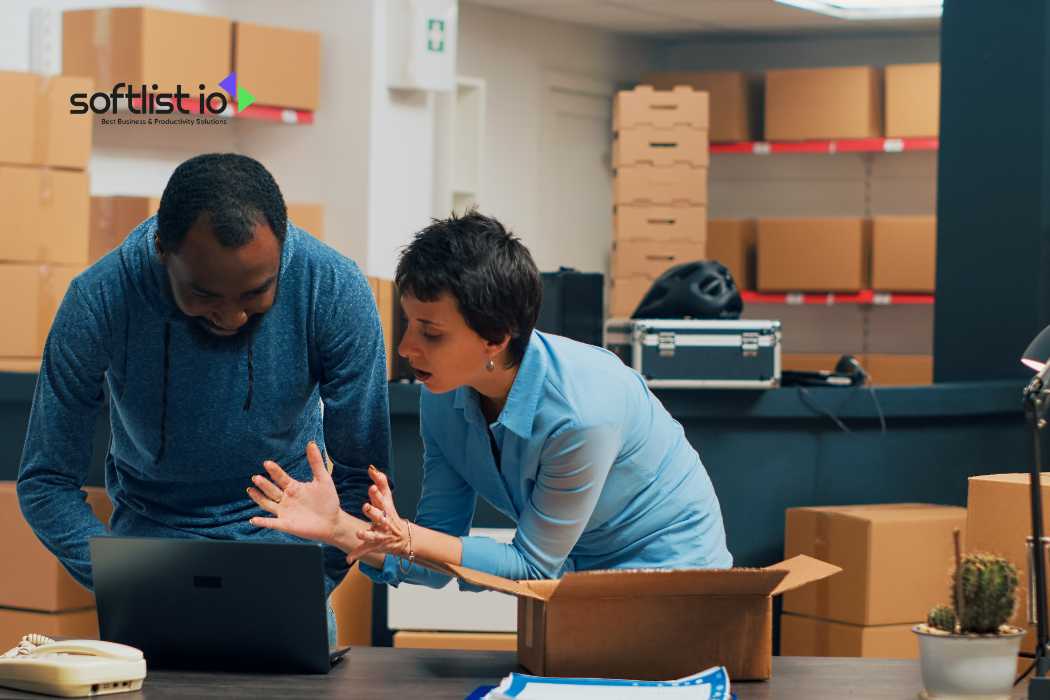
[382, 672]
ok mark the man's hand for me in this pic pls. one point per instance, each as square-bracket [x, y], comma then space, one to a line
[309, 510]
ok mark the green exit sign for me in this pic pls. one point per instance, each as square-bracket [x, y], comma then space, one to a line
[436, 35]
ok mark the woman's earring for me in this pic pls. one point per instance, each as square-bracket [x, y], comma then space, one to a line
[490, 365]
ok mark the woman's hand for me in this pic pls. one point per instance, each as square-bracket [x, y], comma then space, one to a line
[388, 533]
[309, 510]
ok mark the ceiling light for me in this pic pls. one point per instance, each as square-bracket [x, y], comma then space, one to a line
[870, 9]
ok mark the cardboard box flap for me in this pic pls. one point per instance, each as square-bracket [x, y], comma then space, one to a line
[495, 583]
[801, 570]
[626, 583]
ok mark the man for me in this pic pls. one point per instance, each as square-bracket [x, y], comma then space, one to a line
[219, 329]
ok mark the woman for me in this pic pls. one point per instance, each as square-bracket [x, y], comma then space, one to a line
[559, 436]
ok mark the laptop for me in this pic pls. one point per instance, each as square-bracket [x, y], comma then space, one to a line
[215, 605]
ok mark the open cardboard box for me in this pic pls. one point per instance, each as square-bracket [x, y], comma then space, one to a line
[650, 624]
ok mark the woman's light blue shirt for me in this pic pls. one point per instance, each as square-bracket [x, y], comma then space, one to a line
[593, 469]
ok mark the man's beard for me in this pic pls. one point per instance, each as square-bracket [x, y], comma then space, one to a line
[207, 340]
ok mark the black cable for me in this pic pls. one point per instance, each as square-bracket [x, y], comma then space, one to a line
[878, 408]
[805, 397]
[1025, 674]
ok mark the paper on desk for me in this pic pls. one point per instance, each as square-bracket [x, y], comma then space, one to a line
[712, 684]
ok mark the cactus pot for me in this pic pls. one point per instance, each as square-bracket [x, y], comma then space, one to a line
[970, 666]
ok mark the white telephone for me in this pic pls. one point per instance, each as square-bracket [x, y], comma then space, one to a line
[72, 669]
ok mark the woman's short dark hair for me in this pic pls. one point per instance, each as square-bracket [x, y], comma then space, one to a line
[487, 270]
[236, 193]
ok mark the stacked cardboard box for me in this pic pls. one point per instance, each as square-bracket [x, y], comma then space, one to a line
[895, 561]
[281, 67]
[660, 193]
[913, 99]
[44, 151]
[732, 99]
[466, 641]
[143, 45]
[732, 243]
[884, 369]
[904, 254]
[998, 519]
[352, 603]
[818, 255]
[113, 218]
[308, 216]
[37, 595]
[823, 103]
[385, 294]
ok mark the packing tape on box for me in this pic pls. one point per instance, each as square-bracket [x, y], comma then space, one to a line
[822, 639]
[41, 119]
[102, 37]
[821, 545]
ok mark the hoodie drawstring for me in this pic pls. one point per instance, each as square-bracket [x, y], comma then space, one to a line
[164, 393]
[251, 380]
[164, 389]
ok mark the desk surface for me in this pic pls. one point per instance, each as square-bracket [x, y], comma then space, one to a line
[376, 673]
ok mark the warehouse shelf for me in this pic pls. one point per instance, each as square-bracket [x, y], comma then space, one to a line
[830, 146]
[864, 297]
[257, 112]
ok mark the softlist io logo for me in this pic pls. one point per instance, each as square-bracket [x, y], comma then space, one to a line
[244, 98]
[141, 99]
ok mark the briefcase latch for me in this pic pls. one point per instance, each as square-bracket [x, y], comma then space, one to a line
[666, 343]
[749, 344]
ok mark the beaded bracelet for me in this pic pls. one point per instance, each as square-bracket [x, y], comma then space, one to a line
[411, 552]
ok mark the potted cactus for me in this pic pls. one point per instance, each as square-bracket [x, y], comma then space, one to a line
[968, 650]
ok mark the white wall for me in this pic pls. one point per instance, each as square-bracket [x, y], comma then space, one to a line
[514, 54]
[803, 51]
[401, 165]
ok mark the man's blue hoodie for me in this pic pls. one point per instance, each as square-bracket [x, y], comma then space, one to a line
[194, 417]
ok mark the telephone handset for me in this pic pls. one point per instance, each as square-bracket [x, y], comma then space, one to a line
[72, 668]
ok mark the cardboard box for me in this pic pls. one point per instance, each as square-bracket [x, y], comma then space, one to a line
[813, 255]
[352, 603]
[823, 103]
[625, 293]
[879, 547]
[26, 366]
[660, 185]
[998, 519]
[309, 217]
[280, 67]
[467, 641]
[37, 126]
[814, 361]
[35, 580]
[652, 258]
[904, 254]
[638, 145]
[76, 624]
[808, 636]
[650, 624]
[47, 215]
[644, 106]
[145, 45]
[31, 296]
[899, 370]
[913, 99]
[387, 304]
[666, 223]
[113, 218]
[732, 243]
[733, 104]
